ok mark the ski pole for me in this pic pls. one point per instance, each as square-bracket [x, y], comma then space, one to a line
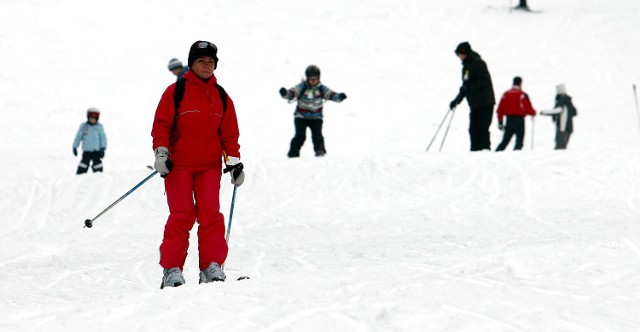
[233, 203]
[533, 130]
[635, 95]
[89, 222]
[447, 131]
[440, 126]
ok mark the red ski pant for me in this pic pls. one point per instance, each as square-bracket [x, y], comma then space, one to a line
[193, 195]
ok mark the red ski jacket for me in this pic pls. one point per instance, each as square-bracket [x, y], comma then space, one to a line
[515, 103]
[201, 130]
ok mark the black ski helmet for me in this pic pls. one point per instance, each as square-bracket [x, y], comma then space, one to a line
[312, 71]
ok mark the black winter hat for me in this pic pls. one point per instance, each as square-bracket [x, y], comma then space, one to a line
[517, 80]
[463, 48]
[201, 49]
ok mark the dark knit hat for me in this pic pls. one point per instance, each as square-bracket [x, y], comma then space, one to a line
[174, 64]
[517, 80]
[201, 49]
[463, 48]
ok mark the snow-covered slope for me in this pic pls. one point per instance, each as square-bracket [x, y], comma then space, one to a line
[376, 236]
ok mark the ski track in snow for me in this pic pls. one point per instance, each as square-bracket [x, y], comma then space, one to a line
[344, 246]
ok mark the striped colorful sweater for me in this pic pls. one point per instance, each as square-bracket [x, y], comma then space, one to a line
[310, 99]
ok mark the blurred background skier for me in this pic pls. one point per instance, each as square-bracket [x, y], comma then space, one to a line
[478, 89]
[562, 114]
[310, 95]
[515, 105]
[94, 143]
[176, 67]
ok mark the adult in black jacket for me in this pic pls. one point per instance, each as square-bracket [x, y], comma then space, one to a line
[478, 89]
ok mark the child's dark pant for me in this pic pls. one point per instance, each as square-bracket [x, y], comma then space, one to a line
[87, 158]
[562, 139]
[301, 125]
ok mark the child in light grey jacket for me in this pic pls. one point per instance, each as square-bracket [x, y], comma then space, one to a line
[94, 143]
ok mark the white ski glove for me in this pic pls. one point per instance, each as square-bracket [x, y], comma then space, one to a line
[235, 168]
[162, 164]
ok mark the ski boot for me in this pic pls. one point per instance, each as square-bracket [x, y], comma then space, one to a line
[172, 278]
[212, 273]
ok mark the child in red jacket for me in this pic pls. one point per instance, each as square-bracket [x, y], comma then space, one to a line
[515, 105]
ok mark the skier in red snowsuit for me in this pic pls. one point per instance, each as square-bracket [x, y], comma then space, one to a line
[190, 144]
[515, 105]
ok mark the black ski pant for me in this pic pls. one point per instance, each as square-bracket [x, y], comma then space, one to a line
[89, 157]
[479, 122]
[562, 139]
[514, 126]
[301, 124]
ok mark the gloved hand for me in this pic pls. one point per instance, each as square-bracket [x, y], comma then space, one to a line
[235, 168]
[75, 152]
[455, 103]
[101, 153]
[341, 96]
[162, 164]
[283, 92]
[500, 126]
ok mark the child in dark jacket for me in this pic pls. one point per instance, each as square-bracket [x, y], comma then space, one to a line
[562, 114]
[310, 95]
[94, 143]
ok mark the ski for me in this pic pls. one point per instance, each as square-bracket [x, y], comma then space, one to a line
[514, 9]
[162, 286]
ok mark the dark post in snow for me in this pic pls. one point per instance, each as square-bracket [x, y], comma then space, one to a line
[523, 5]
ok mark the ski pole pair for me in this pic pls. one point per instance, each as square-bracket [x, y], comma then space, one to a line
[88, 223]
[452, 112]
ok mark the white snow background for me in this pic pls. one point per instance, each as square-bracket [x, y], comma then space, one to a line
[379, 235]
